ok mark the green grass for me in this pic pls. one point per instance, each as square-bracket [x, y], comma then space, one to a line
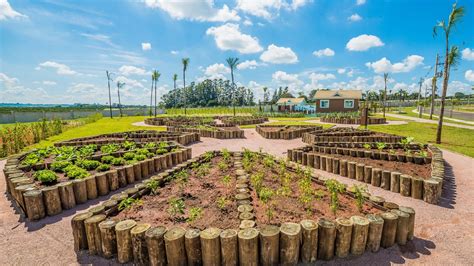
[103, 126]
[455, 139]
[408, 112]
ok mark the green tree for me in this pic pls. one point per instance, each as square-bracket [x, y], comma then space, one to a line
[450, 59]
[232, 62]
[185, 62]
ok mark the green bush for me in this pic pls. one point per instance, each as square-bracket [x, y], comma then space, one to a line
[103, 167]
[129, 145]
[88, 164]
[129, 156]
[32, 159]
[58, 166]
[161, 151]
[107, 159]
[140, 157]
[109, 148]
[118, 161]
[75, 172]
[46, 176]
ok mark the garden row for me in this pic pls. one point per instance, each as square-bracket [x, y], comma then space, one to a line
[427, 188]
[202, 120]
[352, 120]
[349, 135]
[218, 132]
[136, 136]
[285, 132]
[242, 120]
[261, 185]
[61, 182]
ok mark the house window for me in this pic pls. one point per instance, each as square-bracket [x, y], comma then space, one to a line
[348, 103]
[324, 104]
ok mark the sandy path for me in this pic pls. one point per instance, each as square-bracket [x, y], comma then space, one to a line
[444, 234]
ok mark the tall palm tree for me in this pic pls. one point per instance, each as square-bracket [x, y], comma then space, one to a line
[449, 59]
[120, 85]
[109, 79]
[185, 62]
[151, 94]
[232, 62]
[385, 77]
[156, 76]
[175, 77]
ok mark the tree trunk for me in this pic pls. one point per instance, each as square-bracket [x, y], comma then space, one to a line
[443, 95]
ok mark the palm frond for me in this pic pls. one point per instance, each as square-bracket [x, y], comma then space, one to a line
[456, 14]
[185, 62]
[439, 24]
[453, 56]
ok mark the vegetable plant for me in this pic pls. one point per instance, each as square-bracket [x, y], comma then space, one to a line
[226, 155]
[75, 172]
[194, 214]
[226, 180]
[406, 142]
[152, 185]
[109, 148]
[32, 159]
[176, 207]
[118, 161]
[265, 194]
[359, 191]
[381, 145]
[257, 181]
[58, 166]
[223, 166]
[129, 156]
[45, 176]
[103, 167]
[150, 145]
[334, 187]
[222, 202]
[129, 145]
[128, 203]
[423, 154]
[88, 164]
[367, 146]
[139, 157]
[107, 159]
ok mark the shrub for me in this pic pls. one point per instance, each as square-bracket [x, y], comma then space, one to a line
[88, 164]
[117, 161]
[45, 176]
[103, 167]
[58, 166]
[32, 159]
[139, 157]
[129, 156]
[75, 172]
[128, 145]
[107, 159]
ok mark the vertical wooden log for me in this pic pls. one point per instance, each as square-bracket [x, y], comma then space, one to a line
[66, 193]
[374, 236]
[343, 237]
[317, 161]
[343, 168]
[91, 186]
[389, 232]
[248, 247]
[94, 241]
[211, 246]
[376, 177]
[124, 240]
[417, 188]
[360, 172]
[327, 238]
[360, 230]
[52, 201]
[140, 251]
[102, 184]
[411, 221]
[229, 247]
[269, 245]
[80, 190]
[329, 164]
[335, 166]
[395, 182]
[174, 246]
[130, 174]
[192, 245]
[351, 169]
[405, 185]
[290, 236]
[402, 227]
[112, 180]
[309, 245]
[79, 230]
[122, 176]
[108, 238]
[385, 183]
[34, 204]
[156, 245]
[430, 191]
[137, 171]
[322, 162]
[311, 159]
[368, 174]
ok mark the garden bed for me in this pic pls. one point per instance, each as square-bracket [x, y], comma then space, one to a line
[293, 227]
[241, 120]
[285, 132]
[180, 120]
[206, 131]
[349, 135]
[352, 120]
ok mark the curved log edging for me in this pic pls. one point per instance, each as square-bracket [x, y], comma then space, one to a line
[218, 133]
[352, 120]
[349, 135]
[285, 132]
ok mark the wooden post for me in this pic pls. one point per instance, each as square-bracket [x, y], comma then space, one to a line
[102, 184]
[417, 188]
[431, 192]
[140, 251]
[395, 182]
[122, 176]
[211, 246]
[327, 237]
[343, 168]
[108, 237]
[385, 183]
[130, 174]
[343, 237]
[405, 185]
[91, 186]
[335, 166]
[411, 220]
[80, 190]
[269, 245]
[156, 245]
[329, 164]
[290, 237]
[389, 231]
[112, 179]
[124, 240]
[368, 174]
[360, 172]
[360, 231]
[376, 177]
[309, 245]
[174, 246]
[375, 232]
[192, 245]
[322, 164]
[52, 201]
[79, 230]
[229, 247]
[34, 205]
[66, 193]
[402, 227]
[248, 247]
[351, 169]
[137, 171]
[94, 241]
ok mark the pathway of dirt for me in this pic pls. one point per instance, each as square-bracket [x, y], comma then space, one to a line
[443, 235]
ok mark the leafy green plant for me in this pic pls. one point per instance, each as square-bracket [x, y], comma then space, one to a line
[149, 145]
[139, 157]
[391, 151]
[45, 176]
[257, 181]
[406, 142]
[381, 145]
[103, 167]
[128, 203]
[129, 156]
[118, 161]
[265, 194]
[129, 145]
[359, 191]
[203, 170]
[153, 185]
[367, 146]
[226, 180]
[222, 202]
[423, 154]
[32, 159]
[176, 207]
[75, 172]
[226, 155]
[269, 212]
[58, 166]
[334, 187]
[88, 164]
[223, 166]
[268, 161]
[195, 213]
[163, 145]
[208, 155]
[161, 151]
[107, 159]
[109, 148]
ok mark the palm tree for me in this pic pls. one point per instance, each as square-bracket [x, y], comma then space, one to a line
[185, 62]
[151, 94]
[119, 85]
[385, 77]
[156, 75]
[449, 59]
[175, 77]
[232, 62]
[109, 78]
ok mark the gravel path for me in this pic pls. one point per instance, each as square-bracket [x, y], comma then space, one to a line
[443, 235]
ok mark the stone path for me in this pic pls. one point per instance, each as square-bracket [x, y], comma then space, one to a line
[444, 234]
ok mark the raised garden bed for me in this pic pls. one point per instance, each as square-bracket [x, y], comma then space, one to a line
[285, 132]
[352, 120]
[212, 217]
[183, 138]
[44, 182]
[241, 120]
[206, 131]
[419, 181]
[349, 135]
[180, 120]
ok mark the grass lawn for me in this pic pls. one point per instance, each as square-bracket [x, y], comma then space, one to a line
[408, 112]
[455, 139]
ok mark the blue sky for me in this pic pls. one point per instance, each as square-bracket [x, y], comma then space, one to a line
[55, 51]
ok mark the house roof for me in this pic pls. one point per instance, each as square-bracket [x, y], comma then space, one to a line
[339, 94]
[290, 100]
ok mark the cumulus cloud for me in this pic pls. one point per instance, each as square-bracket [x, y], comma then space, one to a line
[12, 91]
[360, 2]
[282, 78]
[197, 10]
[320, 76]
[468, 54]
[279, 55]
[268, 8]
[49, 83]
[324, 52]
[354, 17]
[61, 69]
[469, 75]
[133, 70]
[146, 46]
[341, 70]
[363, 43]
[7, 12]
[216, 71]
[248, 22]
[229, 37]
[174, 52]
[129, 82]
[248, 64]
[407, 65]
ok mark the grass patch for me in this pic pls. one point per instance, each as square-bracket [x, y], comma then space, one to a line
[408, 112]
[455, 139]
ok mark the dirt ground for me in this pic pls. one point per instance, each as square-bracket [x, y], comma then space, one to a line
[444, 233]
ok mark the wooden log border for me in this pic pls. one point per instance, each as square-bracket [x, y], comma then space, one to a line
[218, 133]
[292, 132]
[352, 120]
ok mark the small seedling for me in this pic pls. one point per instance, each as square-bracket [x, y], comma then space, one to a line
[367, 146]
[265, 194]
[194, 214]
[334, 188]
[226, 155]
[359, 194]
[381, 145]
[176, 207]
[153, 186]
[222, 202]
[226, 180]
[128, 203]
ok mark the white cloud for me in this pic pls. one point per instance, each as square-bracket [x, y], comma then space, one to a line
[282, 78]
[133, 70]
[248, 64]
[216, 71]
[49, 83]
[8, 81]
[198, 10]
[407, 65]
[350, 73]
[355, 17]
[7, 12]
[468, 54]
[61, 69]
[324, 52]
[268, 8]
[469, 75]
[100, 38]
[458, 86]
[129, 82]
[146, 46]
[174, 52]
[363, 43]
[341, 70]
[12, 91]
[248, 22]
[229, 37]
[319, 76]
[279, 55]
[360, 2]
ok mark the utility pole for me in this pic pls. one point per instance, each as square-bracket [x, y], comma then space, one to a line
[433, 87]
[419, 96]
[385, 77]
[119, 85]
[109, 78]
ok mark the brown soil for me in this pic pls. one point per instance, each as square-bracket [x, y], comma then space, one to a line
[198, 192]
[396, 151]
[412, 169]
